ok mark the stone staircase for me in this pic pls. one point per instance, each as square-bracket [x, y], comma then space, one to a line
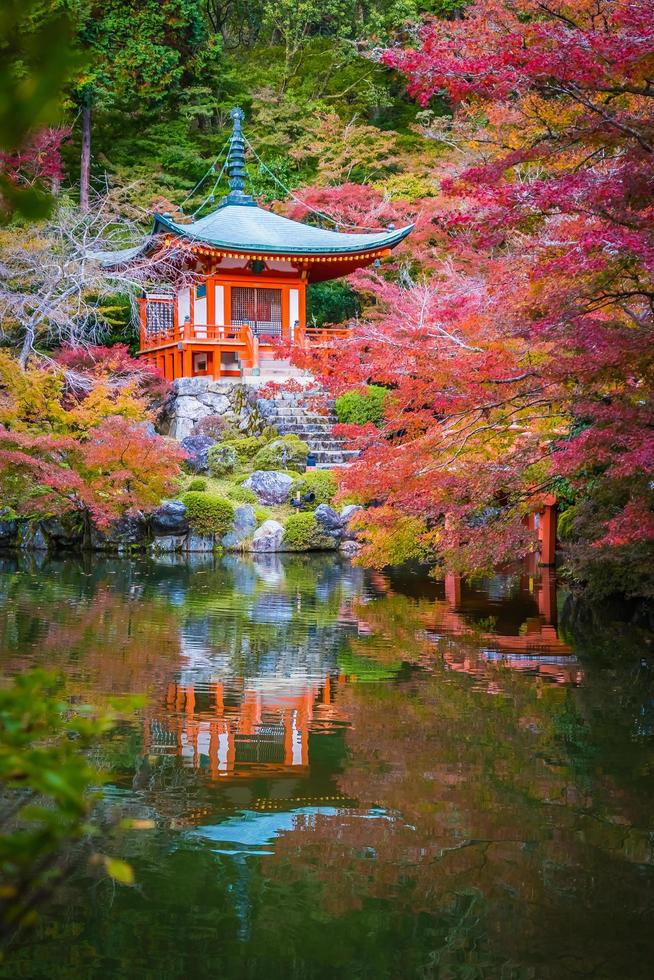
[288, 415]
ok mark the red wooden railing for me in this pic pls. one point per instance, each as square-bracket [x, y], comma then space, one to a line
[307, 337]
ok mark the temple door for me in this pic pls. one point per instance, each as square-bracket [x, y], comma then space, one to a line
[260, 308]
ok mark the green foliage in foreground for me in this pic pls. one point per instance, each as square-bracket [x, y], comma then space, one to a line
[359, 408]
[302, 533]
[321, 483]
[207, 514]
[198, 485]
[47, 787]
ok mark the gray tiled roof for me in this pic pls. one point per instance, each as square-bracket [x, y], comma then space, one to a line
[244, 227]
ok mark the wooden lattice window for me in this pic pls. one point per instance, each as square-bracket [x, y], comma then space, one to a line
[159, 317]
[260, 308]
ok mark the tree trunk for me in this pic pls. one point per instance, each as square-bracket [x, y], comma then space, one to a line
[85, 164]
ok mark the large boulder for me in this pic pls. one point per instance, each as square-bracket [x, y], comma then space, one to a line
[268, 537]
[8, 532]
[199, 543]
[330, 521]
[347, 513]
[169, 519]
[270, 486]
[125, 533]
[63, 533]
[191, 386]
[197, 448]
[217, 403]
[245, 523]
[33, 538]
[189, 407]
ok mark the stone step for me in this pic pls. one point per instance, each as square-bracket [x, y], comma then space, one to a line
[291, 412]
[335, 455]
[304, 430]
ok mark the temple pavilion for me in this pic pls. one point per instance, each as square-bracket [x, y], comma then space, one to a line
[250, 270]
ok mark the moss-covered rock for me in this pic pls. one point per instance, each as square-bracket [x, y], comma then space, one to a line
[222, 459]
[285, 453]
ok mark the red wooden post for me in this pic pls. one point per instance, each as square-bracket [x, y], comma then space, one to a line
[548, 523]
[453, 589]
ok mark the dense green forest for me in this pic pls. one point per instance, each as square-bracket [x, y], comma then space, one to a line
[159, 80]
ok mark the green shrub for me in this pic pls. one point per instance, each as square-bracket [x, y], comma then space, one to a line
[242, 495]
[197, 485]
[358, 408]
[302, 533]
[207, 514]
[221, 459]
[322, 483]
[286, 453]
[246, 447]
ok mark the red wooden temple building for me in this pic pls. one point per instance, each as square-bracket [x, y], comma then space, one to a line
[250, 271]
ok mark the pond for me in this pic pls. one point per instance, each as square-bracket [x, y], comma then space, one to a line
[349, 774]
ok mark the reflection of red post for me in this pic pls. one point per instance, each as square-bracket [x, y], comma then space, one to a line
[547, 595]
[453, 590]
[218, 691]
[288, 737]
[548, 531]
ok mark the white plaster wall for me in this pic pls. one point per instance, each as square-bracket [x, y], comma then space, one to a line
[293, 307]
[220, 304]
[200, 311]
[183, 304]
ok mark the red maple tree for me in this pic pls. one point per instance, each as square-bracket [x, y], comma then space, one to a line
[516, 343]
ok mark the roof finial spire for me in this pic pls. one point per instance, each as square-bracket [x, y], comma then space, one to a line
[236, 162]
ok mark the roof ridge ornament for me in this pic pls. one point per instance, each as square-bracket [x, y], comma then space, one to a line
[236, 162]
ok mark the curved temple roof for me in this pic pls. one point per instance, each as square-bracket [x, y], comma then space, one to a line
[244, 227]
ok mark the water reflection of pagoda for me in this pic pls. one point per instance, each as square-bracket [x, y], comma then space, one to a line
[242, 727]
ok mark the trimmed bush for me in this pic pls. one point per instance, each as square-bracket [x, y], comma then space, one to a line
[302, 533]
[359, 408]
[321, 483]
[286, 453]
[207, 514]
[197, 485]
[222, 459]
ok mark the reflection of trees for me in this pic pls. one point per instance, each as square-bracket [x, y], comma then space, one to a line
[492, 784]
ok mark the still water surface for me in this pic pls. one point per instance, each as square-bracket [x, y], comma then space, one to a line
[349, 775]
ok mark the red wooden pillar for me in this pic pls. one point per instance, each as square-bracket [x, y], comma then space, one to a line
[548, 521]
[187, 362]
[453, 590]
